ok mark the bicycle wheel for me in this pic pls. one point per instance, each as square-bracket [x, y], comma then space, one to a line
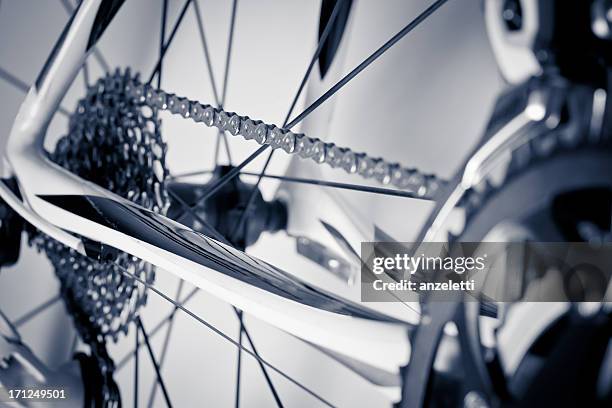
[119, 123]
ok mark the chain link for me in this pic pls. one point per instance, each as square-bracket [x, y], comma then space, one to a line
[420, 184]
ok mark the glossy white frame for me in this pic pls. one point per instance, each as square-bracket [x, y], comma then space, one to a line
[382, 345]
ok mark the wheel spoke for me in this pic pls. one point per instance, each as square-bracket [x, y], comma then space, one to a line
[348, 77]
[162, 40]
[187, 209]
[345, 186]
[36, 311]
[305, 77]
[213, 83]
[322, 183]
[162, 356]
[5, 321]
[228, 55]
[223, 180]
[261, 365]
[136, 363]
[160, 380]
[223, 335]
[211, 75]
[240, 330]
[23, 87]
[166, 320]
[314, 58]
[169, 42]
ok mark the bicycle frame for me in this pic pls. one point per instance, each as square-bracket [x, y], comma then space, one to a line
[61, 204]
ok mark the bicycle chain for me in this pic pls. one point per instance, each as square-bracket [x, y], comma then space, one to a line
[420, 184]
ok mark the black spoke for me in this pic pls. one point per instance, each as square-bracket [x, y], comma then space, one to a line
[154, 362]
[170, 38]
[23, 87]
[162, 356]
[348, 77]
[322, 39]
[14, 333]
[223, 335]
[240, 330]
[13, 80]
[166, 320]
[211, 75]
[162, 40]
[218, 101]
[313, 60]
[322, 183]
[345, 186]
[136, 358]
[206, 227]
[261, 365]
[223, 180]
[36, 311]
[228, 55]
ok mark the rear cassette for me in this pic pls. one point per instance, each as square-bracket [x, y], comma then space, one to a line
[116, 144]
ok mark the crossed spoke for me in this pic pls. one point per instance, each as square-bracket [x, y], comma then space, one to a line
[220, 101]
[313, 60]
[166, 320]
[162, 356]
[332, 91]
[264, 371]
[166, 46]
[160, 380]
[23, 86]
[223, 335]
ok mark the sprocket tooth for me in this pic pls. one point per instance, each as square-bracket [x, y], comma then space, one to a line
[107, 120]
